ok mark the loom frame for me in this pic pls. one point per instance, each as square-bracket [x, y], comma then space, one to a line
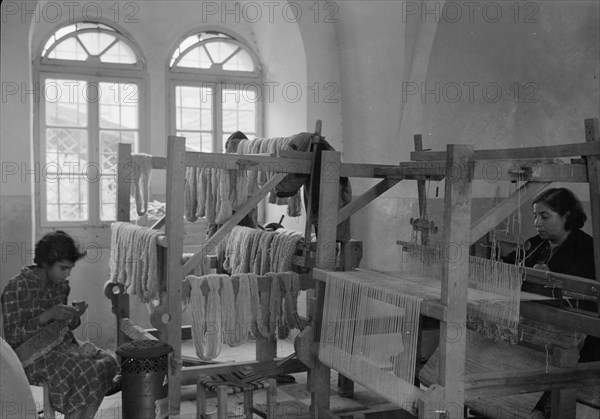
[422, 168]
[166, 317]
[455, 388]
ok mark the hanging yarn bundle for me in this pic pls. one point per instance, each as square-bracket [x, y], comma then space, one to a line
[140, 181]
[228, 312]
[247, 250]
[283, 303]
[206, 316]
[134, 259]
[243, 308]
[371, 334]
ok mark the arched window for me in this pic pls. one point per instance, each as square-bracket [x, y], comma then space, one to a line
[91, 78]
[215, 90]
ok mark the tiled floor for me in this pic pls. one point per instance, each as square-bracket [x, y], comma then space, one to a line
[293, 400]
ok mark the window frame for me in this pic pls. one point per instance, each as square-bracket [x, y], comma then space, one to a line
[96, 72]
[220, 79]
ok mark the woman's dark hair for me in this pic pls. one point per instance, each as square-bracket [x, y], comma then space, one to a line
[562, 200]
[56, 246]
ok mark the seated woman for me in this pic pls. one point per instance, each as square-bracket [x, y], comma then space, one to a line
[561, 247]
[77, 379]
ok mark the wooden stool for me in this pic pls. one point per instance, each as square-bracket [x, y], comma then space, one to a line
[225, 384]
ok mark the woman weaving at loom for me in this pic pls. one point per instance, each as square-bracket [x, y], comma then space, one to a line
[38, 324]
[561, 247]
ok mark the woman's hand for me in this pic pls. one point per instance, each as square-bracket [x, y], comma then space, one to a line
[541, 267]
[59, 312]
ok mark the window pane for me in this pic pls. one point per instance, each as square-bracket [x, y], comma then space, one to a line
[96, 42]
[239, 111]
[66, 104]
[196, 58]
[219, 50]
[197, 141]
[69, 49]
[119, 53]
[118, 105]
[194, 108]
[239, 62]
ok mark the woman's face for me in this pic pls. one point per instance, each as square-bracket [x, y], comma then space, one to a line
[549, 224]
[60, 271]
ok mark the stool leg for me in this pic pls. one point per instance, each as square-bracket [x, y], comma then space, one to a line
[222, 402]
[200, 400]
[48, 410]
[248, 403]
[271, 398]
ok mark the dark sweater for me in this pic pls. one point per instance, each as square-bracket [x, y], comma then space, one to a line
[575, 256]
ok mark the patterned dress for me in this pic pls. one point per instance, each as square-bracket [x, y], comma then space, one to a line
[74, 380]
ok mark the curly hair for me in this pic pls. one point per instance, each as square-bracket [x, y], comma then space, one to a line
[56, 246]
[563, 201]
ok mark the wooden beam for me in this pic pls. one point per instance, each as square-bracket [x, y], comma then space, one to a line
[124, 175]
[249, 162]
[592, 136]
[545, 152]
[565, 319]
[325, 259]
[455, 274]
[421, 193]
[503, 383]
[365, 170]
[348, 210]
[570, 283]
[505, 208]
[174, 229]
[124, 170]
[226, 228]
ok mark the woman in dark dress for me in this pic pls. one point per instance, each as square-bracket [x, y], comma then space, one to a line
[77, 379]
[561, 247]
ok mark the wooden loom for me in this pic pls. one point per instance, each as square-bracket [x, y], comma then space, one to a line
[166, 317]
[455, 387]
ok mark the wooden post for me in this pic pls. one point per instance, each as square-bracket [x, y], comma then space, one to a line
[418, 140]
[174, 270]
[124, 171]
[455, 277]
[345, 386]
[592, 134]
[325, 259]
[564, 401]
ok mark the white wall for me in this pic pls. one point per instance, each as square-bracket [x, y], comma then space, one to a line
[548, 52]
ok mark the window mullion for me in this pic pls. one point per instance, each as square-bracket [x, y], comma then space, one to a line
[218, 118]
[93, 177]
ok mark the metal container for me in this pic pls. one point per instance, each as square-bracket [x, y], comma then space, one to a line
[144, 377]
